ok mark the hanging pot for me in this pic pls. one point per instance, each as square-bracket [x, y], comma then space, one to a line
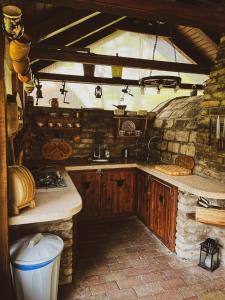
[21, 67]
[12, 21]
[27, 77]
[19, 49]
[89, 70]
[29, 86]
[117, 71]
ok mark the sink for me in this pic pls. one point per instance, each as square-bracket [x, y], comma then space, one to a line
[100, 160]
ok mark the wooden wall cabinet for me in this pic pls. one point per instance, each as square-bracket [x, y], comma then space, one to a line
[163, 210]
[105, 193]
[143, 197]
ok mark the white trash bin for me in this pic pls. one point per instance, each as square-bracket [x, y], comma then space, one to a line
[35, 261]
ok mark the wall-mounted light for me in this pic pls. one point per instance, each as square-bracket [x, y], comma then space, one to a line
[98, 92]
[64, 92]
[126, 90]
[38, 91]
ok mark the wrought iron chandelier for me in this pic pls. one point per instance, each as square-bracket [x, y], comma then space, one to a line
[161, 81]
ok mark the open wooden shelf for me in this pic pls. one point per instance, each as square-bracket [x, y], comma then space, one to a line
[192, 216]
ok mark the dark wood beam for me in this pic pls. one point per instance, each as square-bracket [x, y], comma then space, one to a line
[5, 277]
[138, 26]
[171, 12]
[58, 55]
[53, 26]
[41, 64]
[83, 30]
[99, 80]
[187, 47]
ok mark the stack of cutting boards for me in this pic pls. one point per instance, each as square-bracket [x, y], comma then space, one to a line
[183, 166]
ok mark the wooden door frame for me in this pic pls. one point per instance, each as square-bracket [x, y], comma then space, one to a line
[5, 278]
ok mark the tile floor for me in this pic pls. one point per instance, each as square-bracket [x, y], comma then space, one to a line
[124, 260]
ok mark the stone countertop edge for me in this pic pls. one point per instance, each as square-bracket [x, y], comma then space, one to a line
[193, 184]
[51, 205]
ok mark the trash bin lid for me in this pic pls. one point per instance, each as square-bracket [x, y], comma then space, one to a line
[36, 249]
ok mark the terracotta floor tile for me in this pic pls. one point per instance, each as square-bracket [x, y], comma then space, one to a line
[130, 282]
[124, 260]
[172, 284]
[148, 289]
[103, 288]
[169, 295]
[124, 294]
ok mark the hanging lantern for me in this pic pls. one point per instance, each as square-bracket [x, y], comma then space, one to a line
[98, 92]
[12, 21]
[209, 255]
[38, 91]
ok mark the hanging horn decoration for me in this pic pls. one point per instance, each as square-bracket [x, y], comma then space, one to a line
[12, 24]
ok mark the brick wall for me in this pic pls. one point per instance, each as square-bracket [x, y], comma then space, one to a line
[91, 121]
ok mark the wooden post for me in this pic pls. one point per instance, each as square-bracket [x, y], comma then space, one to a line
[5, 278]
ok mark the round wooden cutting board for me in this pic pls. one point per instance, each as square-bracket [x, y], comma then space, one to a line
[56, 150]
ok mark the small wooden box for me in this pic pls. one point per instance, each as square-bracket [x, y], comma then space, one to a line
[211, 216]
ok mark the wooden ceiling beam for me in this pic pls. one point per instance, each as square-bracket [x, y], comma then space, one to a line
[136, 26]
[41, 64]
[189, 50]
[167, 11]
[83, 30]
[56, 55]
[53, 26]
[99, 80]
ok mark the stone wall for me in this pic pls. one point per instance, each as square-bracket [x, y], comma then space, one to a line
[190, 233]
[64, 229]
[210, 161]
[177, 124]
[184, 125]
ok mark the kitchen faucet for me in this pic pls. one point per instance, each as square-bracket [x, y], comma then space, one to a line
[99, 152]
[155, 137]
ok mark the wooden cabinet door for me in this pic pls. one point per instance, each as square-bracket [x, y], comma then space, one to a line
[118, 192]
[88, 184]
[163, 211]
[143, 197]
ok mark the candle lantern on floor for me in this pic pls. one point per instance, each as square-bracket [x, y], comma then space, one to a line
[209, 255]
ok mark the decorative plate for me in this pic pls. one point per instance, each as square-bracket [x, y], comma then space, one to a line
[128, 126]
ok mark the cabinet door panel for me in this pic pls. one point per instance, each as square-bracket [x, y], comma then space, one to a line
[88, 185]
[163, 211]
[118, 192]
[143, 195]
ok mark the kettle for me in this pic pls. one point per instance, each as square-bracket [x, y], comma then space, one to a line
[54, 102]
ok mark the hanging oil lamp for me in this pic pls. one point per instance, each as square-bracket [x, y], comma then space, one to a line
[38, 91]
[98, 92]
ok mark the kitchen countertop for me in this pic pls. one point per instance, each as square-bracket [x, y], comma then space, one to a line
[51, 204]
[193, 184]
[60, 203]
